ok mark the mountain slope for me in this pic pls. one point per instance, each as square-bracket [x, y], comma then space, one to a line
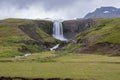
[104, 12]
[104, 37]
[19, 36]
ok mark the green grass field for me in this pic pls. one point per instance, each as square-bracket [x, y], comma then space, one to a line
[75, 66]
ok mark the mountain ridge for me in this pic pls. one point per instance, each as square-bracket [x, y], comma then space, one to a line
[104, 12]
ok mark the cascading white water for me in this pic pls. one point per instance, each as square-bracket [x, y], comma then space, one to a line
[58, 30]
[58, 33]
[55, 47]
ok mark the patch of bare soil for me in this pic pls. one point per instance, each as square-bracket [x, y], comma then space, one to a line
[108, 48]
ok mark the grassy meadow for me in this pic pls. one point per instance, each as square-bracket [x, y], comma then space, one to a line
[50, 64]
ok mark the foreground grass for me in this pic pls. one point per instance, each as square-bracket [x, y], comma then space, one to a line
[75, 66]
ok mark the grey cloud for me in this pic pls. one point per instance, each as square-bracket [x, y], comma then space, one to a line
[19, 4]
[46, 4]
[56, 4]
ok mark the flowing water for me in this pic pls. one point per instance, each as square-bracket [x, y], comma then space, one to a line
[58, 30]
[55, 47]
[58, 33]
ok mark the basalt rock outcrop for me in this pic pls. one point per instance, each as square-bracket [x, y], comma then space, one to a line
[73, 27]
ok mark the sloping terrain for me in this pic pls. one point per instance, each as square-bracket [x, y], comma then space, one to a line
[103, 37]
[19, 36]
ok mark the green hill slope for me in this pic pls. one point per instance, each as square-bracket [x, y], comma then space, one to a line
[19, 36]
[103, 37]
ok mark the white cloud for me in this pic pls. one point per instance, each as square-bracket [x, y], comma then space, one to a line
[65, 9]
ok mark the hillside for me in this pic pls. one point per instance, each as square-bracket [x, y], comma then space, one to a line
[20, 36]
[103, 38]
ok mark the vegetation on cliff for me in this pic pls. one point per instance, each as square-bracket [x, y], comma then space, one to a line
[19, 36]
[103, 37]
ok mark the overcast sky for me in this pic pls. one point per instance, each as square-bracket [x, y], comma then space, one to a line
[55, 9]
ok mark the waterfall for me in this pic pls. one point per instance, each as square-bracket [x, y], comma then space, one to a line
[58, 33]
[58, 30]
[55, 47]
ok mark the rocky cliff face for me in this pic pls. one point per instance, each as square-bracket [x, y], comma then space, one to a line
[104, 12]
[73, 27]
[45, 25]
